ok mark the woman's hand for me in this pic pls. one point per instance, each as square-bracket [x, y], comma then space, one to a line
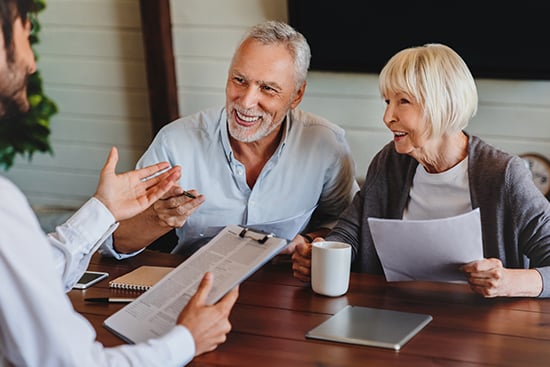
[490, 278]
[301, 260]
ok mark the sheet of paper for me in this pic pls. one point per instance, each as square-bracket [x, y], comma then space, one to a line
[232, 256]
[427, 249]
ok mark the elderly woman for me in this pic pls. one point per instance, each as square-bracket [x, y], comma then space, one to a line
[434, 169]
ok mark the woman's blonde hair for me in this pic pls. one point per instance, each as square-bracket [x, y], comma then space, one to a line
[439, 80]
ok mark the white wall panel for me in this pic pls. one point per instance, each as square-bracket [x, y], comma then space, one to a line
[191, 102]
[107, 131]
[216, 43]
[345, 111]
[61, 188]
[364, 145]
[205, 73]
[101, 73]
[91, 43]
[519, 122]
[515, 92]
[343, 84]
[122, 103]
[91, 158]
[116, 14]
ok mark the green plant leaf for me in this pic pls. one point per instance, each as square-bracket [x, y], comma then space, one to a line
[29, 133]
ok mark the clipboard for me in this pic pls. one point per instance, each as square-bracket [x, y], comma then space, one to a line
[370, 326]
[232, 256]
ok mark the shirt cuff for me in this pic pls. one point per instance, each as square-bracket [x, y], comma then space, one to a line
[93, 220]
[108, 249]
[180, 344]
[86, 229]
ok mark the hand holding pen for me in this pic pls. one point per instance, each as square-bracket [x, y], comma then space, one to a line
[177, 205]
[188, 194]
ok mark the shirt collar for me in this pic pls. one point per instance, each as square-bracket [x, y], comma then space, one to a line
[224, 136]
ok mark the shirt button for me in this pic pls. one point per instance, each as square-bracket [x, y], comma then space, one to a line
[239, 172]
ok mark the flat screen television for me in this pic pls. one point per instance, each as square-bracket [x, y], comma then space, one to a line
[503, 40]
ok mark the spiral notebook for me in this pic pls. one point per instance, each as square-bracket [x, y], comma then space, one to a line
[140, 279]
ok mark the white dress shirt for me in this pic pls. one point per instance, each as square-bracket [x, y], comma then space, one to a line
[38, 325]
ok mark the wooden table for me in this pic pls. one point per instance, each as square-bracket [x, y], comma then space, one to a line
[274, 311]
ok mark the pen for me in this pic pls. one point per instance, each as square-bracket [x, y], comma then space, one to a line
[109, 300]
[185, 193]
[188, 194]
[158, 173]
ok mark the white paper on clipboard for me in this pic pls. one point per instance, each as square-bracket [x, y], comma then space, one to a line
[232, 256]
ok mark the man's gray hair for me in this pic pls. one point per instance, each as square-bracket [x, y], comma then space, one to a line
[273, 31]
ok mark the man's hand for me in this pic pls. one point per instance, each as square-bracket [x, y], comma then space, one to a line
[130, 193]
[170, 211]
[209, 324]
[490, 278]
[174, 207]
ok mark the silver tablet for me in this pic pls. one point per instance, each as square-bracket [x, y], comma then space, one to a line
[370, 326]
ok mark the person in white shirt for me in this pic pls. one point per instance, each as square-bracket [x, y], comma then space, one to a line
[38, 325]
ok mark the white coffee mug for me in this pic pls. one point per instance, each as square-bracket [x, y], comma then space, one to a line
[330, 267]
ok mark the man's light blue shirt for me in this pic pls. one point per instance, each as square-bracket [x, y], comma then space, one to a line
[312, 171]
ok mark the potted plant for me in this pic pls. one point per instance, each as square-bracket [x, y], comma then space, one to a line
[30, 132]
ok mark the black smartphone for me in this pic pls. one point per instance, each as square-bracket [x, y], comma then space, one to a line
[90, 278]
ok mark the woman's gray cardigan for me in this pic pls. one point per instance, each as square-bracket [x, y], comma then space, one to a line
[515, 216]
